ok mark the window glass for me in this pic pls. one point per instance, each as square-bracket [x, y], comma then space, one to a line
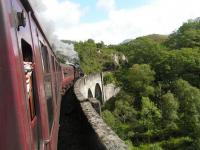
[49, 99]
[45, 58]
[47, 84]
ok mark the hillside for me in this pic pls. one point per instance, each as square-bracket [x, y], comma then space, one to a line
[159, 104]
[96, 57]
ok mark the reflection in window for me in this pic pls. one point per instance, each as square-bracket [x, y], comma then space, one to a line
[47, 84]
[45, 59]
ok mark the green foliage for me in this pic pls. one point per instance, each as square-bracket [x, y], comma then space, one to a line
[159, 104]
[188, 35]
[143, 50]
[162, 85]
[109, 78]
[178, 143]
[110, 119]
[122, 96]
[157, 38]
[150, 114]
[150, 147]
[124, 112]
[189, 98]
[130, 145]
[94, 57]
[169, 107]
[100, 45]
[140, 76]
[123, 130]
[184, 63]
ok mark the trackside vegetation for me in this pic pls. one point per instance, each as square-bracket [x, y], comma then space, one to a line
[158, 107]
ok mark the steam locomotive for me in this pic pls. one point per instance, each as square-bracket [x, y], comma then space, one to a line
[31, 81]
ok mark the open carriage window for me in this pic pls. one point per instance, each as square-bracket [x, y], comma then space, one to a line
[28, 69]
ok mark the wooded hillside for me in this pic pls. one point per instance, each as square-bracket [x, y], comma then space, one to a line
[159, 104]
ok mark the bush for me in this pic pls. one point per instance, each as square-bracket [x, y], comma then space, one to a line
[150, 147]
[109, 78]
[178, 144]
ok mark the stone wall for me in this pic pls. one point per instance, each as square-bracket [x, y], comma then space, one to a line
[110, 90]
[108, 138]
[89, 82]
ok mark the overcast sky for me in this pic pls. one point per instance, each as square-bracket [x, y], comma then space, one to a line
[113, 21]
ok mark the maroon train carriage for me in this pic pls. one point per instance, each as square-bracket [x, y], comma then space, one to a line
[70, 74]
[30, 81]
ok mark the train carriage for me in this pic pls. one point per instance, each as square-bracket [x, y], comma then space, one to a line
[29, 98]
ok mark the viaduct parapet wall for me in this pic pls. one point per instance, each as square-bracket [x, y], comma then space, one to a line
[107, 137]
[89, 82]
[110, 90]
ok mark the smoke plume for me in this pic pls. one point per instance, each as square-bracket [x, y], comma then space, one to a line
[48, 27]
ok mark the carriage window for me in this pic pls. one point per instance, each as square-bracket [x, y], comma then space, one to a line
[47, 84]
[29, 74]
[49, 99]
[45, 58]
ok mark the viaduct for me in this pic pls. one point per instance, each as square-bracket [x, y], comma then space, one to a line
[91, 94]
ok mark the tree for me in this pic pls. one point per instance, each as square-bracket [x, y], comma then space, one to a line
[169, 107]
[189, 99]
[184, 63]
[100, 45]
[91, 41]
[188, 35]
[124, 112]
[160, 97]
[140, 76]
[150, 114]
[109, 78]
[90, 59]
[110, 119]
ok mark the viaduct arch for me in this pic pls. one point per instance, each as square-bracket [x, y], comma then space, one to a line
[90, 93]
[85, 88]
[98, 93]
[92, 87]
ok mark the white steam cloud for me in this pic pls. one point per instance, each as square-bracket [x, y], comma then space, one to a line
[48, 26]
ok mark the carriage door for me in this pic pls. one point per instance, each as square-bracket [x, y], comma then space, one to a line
[24, 37]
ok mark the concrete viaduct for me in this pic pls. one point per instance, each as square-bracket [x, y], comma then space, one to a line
[92, 86]
[91, 94]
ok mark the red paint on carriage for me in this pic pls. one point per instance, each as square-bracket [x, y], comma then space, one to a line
[29, 121]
